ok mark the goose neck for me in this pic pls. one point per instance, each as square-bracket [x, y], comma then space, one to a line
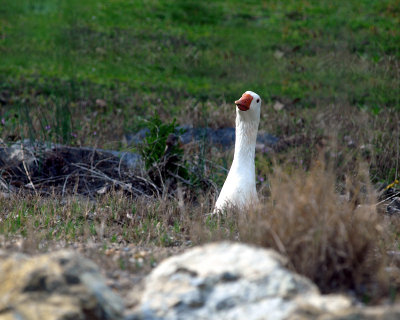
[245, 142]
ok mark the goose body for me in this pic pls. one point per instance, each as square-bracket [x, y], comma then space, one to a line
[239, 189]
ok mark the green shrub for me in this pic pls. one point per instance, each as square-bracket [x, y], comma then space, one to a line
[154, 146]
[163, 155]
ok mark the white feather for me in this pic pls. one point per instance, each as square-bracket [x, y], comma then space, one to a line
[240, 186]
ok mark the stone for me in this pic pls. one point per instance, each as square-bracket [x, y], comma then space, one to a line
[231, 281]
[59, 285]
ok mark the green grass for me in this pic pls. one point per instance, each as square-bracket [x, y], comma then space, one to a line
[341, 51]
[172, 58]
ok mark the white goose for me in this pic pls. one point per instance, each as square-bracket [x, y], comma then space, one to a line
[240, 186]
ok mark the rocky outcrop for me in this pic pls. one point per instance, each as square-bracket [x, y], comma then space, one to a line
[232, 281]
[41, 167]
[224, 137]
[216, 281]
[32, 151]
[60, 285]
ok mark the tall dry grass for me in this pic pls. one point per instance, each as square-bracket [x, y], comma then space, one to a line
[351, 133]
[337, 239]
[322, 216]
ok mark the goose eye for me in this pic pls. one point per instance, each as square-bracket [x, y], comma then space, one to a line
[258, 100]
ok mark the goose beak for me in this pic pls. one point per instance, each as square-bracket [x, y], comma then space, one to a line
[244, 102]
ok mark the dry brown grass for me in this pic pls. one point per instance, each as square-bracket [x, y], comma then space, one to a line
[352, 134]
[318, 201]
[337, 240]
[207, 114]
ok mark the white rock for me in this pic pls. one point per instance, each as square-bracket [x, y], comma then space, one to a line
[229, 281]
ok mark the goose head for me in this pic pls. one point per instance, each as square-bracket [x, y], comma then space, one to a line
[248, 106]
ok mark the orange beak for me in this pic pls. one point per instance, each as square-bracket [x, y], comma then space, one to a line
[244, 102]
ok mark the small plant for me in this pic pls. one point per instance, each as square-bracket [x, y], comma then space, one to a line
[159, 140]
[162, 153]
[52, 124]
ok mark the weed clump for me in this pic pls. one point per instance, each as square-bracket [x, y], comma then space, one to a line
[167, 164]
[337, 240]
[159, 139]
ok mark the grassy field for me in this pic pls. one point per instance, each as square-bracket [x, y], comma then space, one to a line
[147, 57]
[85, 73]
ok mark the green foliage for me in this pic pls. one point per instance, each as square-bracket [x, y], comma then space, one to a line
[303, 51]
[164, 159]
[154, 147]
[193, 12]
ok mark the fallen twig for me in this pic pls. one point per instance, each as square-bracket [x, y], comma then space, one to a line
[101, 175]
[391, 197]
[26, 169]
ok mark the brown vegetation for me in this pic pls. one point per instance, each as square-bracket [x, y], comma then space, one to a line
[337, 240]
[318, 188]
